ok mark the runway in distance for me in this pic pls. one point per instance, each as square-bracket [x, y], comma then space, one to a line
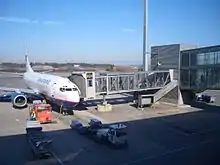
[57, 90]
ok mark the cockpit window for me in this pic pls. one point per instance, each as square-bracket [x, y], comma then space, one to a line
[62, 89]
[68, 89]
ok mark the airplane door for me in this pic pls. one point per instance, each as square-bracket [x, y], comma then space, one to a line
[53, 90]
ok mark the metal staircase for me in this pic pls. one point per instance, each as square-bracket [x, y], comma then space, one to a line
[163, 91]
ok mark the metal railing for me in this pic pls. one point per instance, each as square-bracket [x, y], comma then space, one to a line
[110, 83]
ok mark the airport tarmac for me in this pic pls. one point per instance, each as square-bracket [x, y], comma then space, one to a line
[191, 138]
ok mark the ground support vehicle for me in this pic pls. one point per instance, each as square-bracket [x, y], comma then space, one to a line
[41, 112]
[111, 137]
[95, 124]
[39, 143]
[206, 98]
[78, 126]
[108, 134]
[92, 127]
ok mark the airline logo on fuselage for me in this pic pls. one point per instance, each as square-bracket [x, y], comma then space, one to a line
[44, 81]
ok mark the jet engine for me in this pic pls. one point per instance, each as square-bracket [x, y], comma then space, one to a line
[19, 100]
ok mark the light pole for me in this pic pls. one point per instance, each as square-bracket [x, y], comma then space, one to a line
[145, 38]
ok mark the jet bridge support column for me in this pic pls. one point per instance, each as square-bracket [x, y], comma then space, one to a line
[104, 106]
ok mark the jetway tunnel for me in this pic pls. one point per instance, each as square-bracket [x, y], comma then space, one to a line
[153, 85]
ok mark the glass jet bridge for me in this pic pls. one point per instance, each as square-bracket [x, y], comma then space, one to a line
[92, 84]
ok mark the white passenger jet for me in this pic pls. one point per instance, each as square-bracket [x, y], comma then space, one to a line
[55, 89]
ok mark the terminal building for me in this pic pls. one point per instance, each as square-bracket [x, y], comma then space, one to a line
[165, 57]
[177, 72]
[195, 68]
[200, 68]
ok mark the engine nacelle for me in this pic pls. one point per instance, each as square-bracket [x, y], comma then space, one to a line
[19, 100]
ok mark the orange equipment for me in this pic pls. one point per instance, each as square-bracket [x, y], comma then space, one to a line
[41, 112]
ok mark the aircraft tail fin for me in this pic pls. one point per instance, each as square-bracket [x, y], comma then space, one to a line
[27, 63]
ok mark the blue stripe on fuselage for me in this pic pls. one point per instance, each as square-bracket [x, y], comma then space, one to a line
[61, 102]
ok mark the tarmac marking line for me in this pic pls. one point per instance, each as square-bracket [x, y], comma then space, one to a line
[57, 159]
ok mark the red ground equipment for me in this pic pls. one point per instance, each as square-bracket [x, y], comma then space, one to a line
[41, 112]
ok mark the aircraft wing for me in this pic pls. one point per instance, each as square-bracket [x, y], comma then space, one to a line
[9, 92]
[18, 90]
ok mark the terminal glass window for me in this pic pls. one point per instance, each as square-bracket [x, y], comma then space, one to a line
[184, 77]
[201, 59]
[217, 54]
[216, 57]
[185, 59]
[193, 58]
[217, 82]
[200, 79]
[207, 58]
[192, 78]
[210, 58]
[211, 78]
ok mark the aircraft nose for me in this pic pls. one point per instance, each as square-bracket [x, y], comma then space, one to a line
[73, 98]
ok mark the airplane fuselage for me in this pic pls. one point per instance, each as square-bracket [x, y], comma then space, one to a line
[58, 90]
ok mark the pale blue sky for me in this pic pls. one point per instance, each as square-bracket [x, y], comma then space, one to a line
[101, 30]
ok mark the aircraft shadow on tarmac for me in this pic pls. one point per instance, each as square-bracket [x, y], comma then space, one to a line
[192, 138]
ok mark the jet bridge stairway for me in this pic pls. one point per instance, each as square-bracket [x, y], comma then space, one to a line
[163, 91]
[92, 84]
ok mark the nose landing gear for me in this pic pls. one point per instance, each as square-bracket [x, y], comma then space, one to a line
[66, 111]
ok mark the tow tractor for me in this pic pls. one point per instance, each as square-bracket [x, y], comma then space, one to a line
[39, 143]
[111, 134]
[41, 112]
